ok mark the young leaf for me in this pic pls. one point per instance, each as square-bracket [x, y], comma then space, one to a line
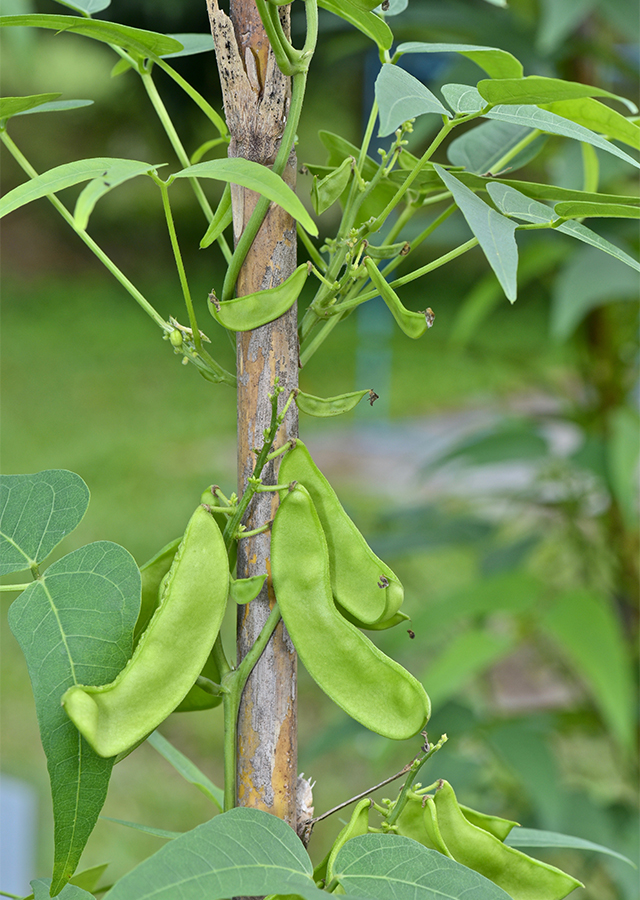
[36, 513]
[86, 6]
[368, 23]
[243, 852]
[57, 106]
[595, 115]
[537, 89]
[513, 203]
[92, 591]
[400, 97]
[381, 866]
[189, 771]
[495, 233]
[483, 149]
[257, 178]
[142, 43]
[589, 634]
[532, 837]
[496, 63]
[121, 171]
[11, 106]
[64, 176]
[578, 210]
[191, 44]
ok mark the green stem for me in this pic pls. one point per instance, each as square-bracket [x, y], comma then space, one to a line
[197, 98]
[184, 284]
[310, 248]
[307, 351]
[82, 234]
[261, 530]
[415, 767]
[298, 87]
[513, 152]
[415, 243]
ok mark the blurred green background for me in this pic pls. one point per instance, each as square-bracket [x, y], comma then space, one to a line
[496, 474]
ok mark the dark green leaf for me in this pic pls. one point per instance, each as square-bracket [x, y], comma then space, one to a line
[75, 625]
[11, 106]
[600, 118]
[257, 178]
[495, 233]
[64, 176]
[244, 852]
[139, 42]
[367, 22]
[382, 866]
[191, 44]
[401, 97]
[532, 837]
[36, 513]
[496, 63]
[537, 89]
[121, 171]
[577, 210]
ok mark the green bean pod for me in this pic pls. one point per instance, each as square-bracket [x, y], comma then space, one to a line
[325, 407]
[362, 584]
[353, 672]
[151, 575]
[199, 697]
[521, 876]
[171, 652]
[388, 251]
[222, 218]
[396, 619]
[357, 825]
[253, 310]
[327, 190]
[496, 826]
[244, 590]
[414, 324]
[418, 821]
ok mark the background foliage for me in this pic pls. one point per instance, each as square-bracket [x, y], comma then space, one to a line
[497, 471]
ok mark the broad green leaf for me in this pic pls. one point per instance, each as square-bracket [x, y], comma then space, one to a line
[368, 23]
[11, 106]
[75, 625]
[401, 97]
[465, 657]
[384, 866]
[487, 147]
[496, 63]
[42, 886]
[622, 449]
[86, 6]
[532, 837]
[137, 41]
[191, 44]
[57, 106]
[64, 176]
[577, 210]
[534, 117]
[87, 880]
[600, 118]
[545, 191]
[241, 853]
[495, 233]
[513, 203]
[535, 89]
[587, 281]
[189, 771]
[589, 635]
[121, 171]
[36, 513]
[147, 829]
[462, 98]
[257, 178]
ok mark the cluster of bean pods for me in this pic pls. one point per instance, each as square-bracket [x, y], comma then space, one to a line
[330, 584]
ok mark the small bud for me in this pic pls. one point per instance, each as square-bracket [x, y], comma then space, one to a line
[175, 337]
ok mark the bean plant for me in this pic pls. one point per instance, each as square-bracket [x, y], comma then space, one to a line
[113, 648]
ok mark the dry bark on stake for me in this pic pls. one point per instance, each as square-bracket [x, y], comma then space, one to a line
[256, 100]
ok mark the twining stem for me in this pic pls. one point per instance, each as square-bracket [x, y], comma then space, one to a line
[82, 234]
[413, 770]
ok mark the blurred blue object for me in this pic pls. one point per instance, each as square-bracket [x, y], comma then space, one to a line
[18, 830]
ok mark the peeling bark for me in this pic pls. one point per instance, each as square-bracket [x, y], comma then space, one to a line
[256, 100]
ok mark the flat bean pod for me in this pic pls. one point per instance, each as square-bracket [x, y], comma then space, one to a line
[388, 251]
[151, 574]
[414, 324]
[353, 672]
[325, 407]
[357, 825]
[171, 652]
[362, 584]
[325, 191]
[419, 823]
[500, 828]
[521, 876]
[397, 619]
[253, 310]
